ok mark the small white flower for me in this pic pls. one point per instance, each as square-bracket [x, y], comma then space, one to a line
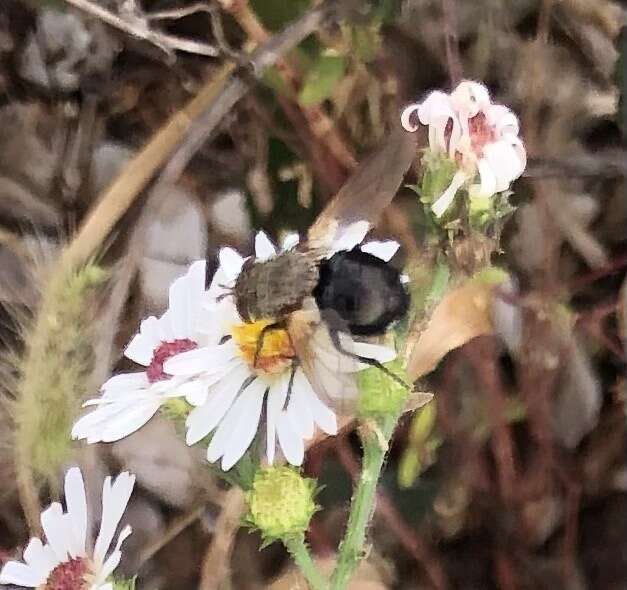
[63, 562]
[129, 400]
[481, 137]
[232, 388]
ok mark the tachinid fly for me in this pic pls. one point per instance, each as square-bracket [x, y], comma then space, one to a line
[353, 291]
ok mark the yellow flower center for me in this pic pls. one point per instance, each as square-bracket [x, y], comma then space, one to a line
[266, 348]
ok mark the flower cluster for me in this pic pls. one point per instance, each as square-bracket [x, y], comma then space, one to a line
[233, 372]
[63, 562]
[479, 137]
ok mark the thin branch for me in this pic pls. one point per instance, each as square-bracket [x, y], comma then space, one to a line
[267, 55]
[175, 528]
[215, 566]
[178, 13]
[139, 28]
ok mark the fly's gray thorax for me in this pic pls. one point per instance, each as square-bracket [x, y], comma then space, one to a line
[276, 287]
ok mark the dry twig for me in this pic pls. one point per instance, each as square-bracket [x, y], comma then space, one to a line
[139, 28]
[215, 566]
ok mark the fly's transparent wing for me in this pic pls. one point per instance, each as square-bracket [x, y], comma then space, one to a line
[329, 362]
[368, 191]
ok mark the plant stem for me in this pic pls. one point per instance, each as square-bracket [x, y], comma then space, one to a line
[352, 548]
[298, 549]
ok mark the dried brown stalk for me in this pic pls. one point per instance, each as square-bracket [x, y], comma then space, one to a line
[116, 200]
[215, 566]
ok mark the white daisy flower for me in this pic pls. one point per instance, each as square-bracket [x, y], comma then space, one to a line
[235, 380]
[480, 136]
[63, 562]
[129, 400]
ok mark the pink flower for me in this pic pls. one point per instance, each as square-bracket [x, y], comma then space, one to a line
[480, 136]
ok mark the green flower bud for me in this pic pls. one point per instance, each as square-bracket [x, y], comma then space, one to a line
[380, 394]
[281, 502]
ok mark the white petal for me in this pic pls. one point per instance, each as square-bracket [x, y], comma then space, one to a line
[502, 119]
[238, 427]
[219, 289]
[469, 98]
[76, 505]
[383, 354]
[436, 111]
[383, 250]
[20, 574]
[406, 117]
[299, 414]
[184, 299]
[113, 560]
[203, 419]
[40, 557]
[323, 416]
[141, 349]
[264, 248]
[519, 148]
[201, 360]
[436, 106]
[194, 392]
[350, 236]
[444, 201]
[291, 442]
[289, 241]
[488, 179]
[129, 420]
[95, 420]
[124, 383]
[231, 262]
[504, 162]
[276, 400]
[54, 524]
[115, 497]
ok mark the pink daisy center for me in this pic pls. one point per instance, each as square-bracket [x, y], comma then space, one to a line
[481, 132]
[69, 575]
[162, 353]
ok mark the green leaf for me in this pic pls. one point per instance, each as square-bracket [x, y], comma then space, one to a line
[321, 79]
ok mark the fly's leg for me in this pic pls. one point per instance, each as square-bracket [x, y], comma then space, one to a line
[222, 296]
[262, 336]
[289, 386]
[335, 338]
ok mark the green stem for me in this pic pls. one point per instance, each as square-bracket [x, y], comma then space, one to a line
[352, 548]
[297, 547]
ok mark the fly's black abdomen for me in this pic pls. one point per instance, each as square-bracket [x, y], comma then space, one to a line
[276, 287]
[360, 292]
